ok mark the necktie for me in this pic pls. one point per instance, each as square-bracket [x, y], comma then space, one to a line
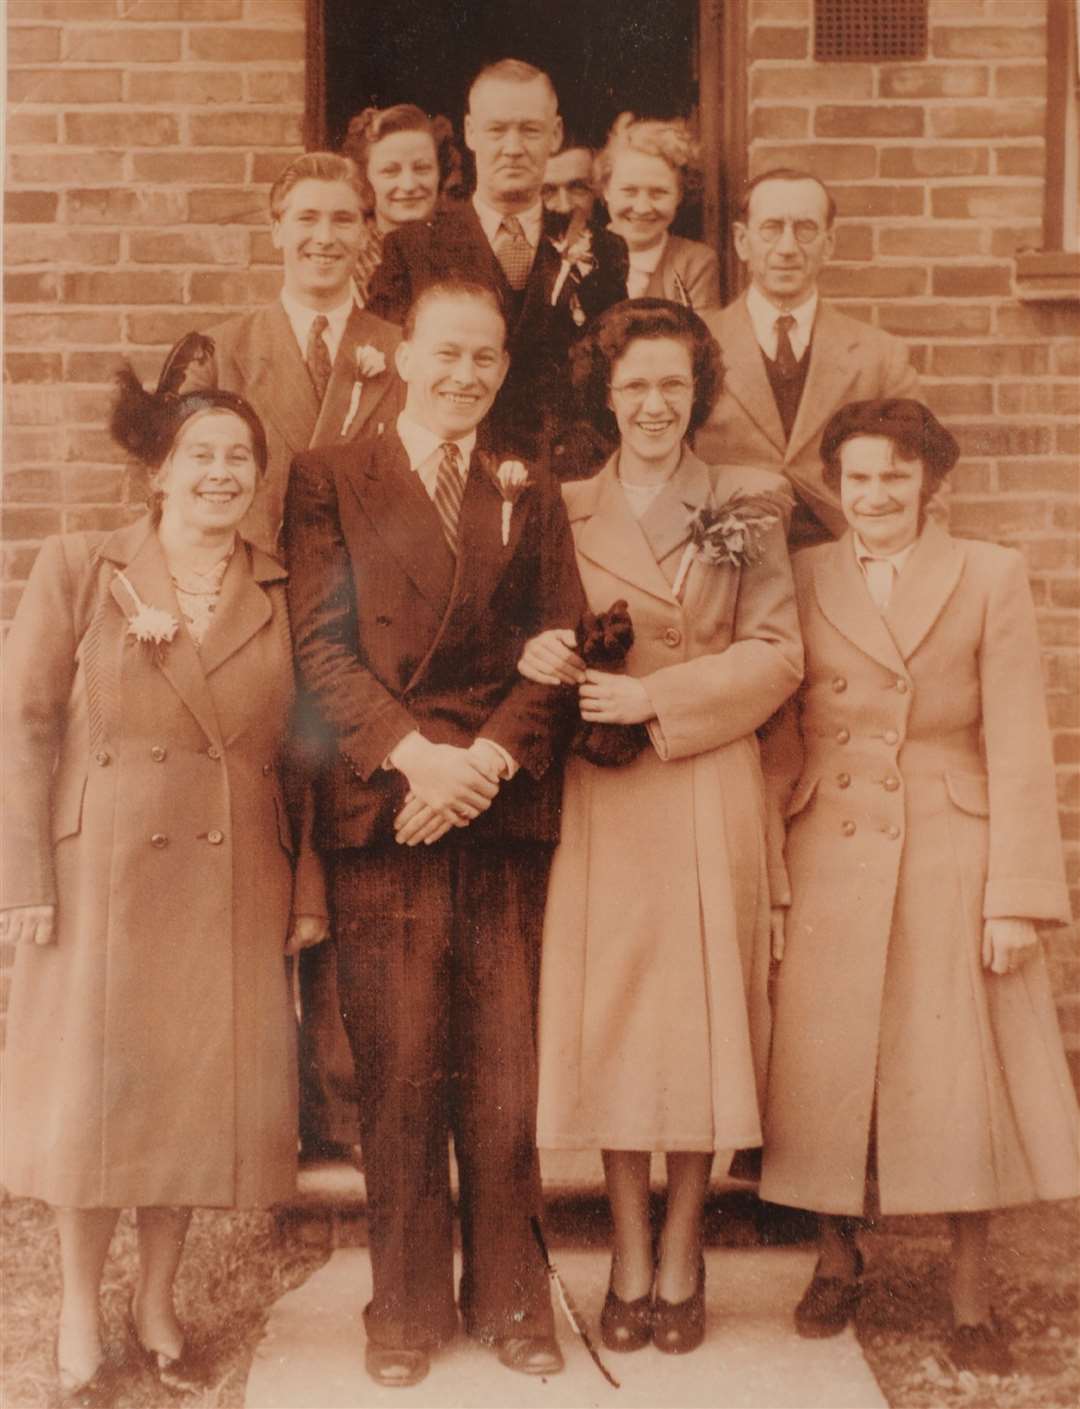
[786, 362]
[513, 252]
[879, 580]
[317, 356]
[449, 491]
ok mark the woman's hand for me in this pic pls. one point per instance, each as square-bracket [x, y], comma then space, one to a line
[29, 924]
[550, 659]
[1008, 944]
[614, 699]
[306, 931]
[777, 920]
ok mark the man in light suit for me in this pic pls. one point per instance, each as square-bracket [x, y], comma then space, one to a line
[790, 358]
[504, 238]
[420, 562]
[319, 371]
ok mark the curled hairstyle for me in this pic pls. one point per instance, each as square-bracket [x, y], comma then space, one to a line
[593, 357]
[670, 140]
[914, 430]
[451, 289]
[783, 173]
[373, 124]
[315, 166]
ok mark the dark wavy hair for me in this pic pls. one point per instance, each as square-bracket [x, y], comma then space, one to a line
[593, 357]
[912, 427]
[373, 124]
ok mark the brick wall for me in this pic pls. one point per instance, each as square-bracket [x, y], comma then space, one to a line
[937, 168]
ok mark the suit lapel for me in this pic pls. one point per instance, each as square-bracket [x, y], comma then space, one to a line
[927, 582]
[612, 538]
[831, 371]
[471, 232]
[361, 328]
[745, 377]
[243, 609]
[278, 378]
[542, 275]
[844, 600]
[483, 555]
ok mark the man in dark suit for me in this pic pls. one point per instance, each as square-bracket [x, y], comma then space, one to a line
[419, 565]
[791, 359]
[504, 238]
[318, 370]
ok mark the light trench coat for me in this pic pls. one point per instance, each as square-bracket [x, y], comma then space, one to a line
[654, 1018]
[924, 804]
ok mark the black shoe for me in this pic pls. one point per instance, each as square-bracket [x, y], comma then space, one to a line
[530, 1355]
[982, 1348]
[396, 1367]
[829, 1303]
[190, 1372]
[679, 1326]
[330, 1152]
[98, 1392]
[626, 1325]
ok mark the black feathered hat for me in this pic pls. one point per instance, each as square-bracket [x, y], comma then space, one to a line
[912, 427]
[146, 423]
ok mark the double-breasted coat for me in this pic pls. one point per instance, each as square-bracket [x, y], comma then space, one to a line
[654, 1021]
[924, 805]
[150, 1049]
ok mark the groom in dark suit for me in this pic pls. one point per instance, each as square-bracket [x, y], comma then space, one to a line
[420, 563]
[504, 238]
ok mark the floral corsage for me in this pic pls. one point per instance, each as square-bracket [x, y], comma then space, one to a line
[151, 626]
[577, 262]
[370, 362]
[511, 479]
[730, 532]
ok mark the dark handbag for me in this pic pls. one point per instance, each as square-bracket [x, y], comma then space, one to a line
[603, 643]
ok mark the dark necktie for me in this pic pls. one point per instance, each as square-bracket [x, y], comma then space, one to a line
[317, 356]
[513, 252]
[449, 491]
[786, 361]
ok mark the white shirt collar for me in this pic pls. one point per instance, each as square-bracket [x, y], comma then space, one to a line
[864, 554]
[422, 446]
[763, 316]
[531, 220]
[301, 318]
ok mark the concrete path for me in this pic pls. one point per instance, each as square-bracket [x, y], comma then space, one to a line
[312, 1354]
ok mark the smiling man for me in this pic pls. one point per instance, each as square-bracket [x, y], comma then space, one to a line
[420, 561]
[505, 239]
[790, 358]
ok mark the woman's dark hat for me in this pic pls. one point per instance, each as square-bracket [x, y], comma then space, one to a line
[910, 425]
[146, 423]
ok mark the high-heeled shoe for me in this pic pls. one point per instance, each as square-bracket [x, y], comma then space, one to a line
[679, 1326]
[98, 1392]
[626, 1325]
[189, 1372]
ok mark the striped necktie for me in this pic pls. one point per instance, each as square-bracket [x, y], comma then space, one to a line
[317, 356]
[449, 492]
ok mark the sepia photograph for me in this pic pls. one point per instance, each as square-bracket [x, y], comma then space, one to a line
[518, 517]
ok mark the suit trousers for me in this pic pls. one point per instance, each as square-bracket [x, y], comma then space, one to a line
[327, 1081]
[438, 963]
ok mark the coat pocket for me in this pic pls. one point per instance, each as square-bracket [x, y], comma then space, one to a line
[970, 792]
[67, 806]
[805, 789]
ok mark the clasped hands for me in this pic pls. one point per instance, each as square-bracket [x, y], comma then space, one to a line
[1007, 944]
[448, 786]
[603, 698]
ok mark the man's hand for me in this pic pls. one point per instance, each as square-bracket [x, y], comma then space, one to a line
[1008, 944]
[418, 822]
[29, 924]
[614, 699]
[446, 778]
[306, 931]
[551, 659]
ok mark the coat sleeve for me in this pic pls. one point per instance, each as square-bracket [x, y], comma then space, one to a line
[39, 670]
[365, 719]
[1025, 875]
[782, 756]
[703, 703]
[390, 290]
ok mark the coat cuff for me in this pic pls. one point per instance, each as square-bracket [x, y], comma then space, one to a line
[1028, 900]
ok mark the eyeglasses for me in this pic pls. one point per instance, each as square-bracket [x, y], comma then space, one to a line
[805, 231]
[672, 389]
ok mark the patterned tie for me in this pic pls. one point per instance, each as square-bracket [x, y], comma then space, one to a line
[449, 492]
[786, 361]
[513, 252]
[317, 356]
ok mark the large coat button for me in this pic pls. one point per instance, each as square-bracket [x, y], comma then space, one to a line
[892, 833]
[213, 752]
[891, 736]
[103, 758]
[843, 780]
[843, 735]
[672, 636]
[839, 684]
[215, 838]
[891, 784]
[901, 686]
[267, 769]
[848, 828]
[159, 839]
[158, 754]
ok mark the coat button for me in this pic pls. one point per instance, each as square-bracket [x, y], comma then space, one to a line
[159, 839]
[843, 780]
[213, 752]
[843, 735]
[891, 784]
[268, 768]
[839, 685]
[891, 736]
[901, 686]
[103, 758]
[157, 753]
[672, 636]
[215, 838]
[892, 833]
[848, 828]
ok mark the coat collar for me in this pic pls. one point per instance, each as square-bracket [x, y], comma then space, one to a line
[929, 579]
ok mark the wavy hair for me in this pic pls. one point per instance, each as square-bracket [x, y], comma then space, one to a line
[672, 140]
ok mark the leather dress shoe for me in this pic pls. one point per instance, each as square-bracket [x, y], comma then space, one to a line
[531, 1355]
[679, 1326]
[190, 1371]
[829, 1303]
[982, 1348]
[396, 1367]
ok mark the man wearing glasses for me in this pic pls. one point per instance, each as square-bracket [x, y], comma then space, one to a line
[791, 359]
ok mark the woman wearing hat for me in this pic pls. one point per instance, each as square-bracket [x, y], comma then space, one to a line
[149, 874]
[916, 1063]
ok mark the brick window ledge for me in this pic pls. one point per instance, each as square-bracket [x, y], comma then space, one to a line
[1048, 275]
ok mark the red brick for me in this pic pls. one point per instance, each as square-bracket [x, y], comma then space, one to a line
[220, 287]
[1062, 673]
[1020, 80]
[188, 247]
[32, 45]
[96, 519]
[1040, 476]
[1067, 360]
[828, 81]
[125, 207]
[63, 168]
[84, 405]
[125, 286]
[91, 485]
[878, 200]
[17, 562]
[779, 42]
[1003, 438]
[31, 288]
[1025, 398]
[1010, 239]
[275, 86]
[31, 486]
[65, 86]
[934, 81]
[30, 207]
[854, 242]
[44, 329]
[997, 519]
[135, 129]
[972, 280]
[29, 523]
[1067, 440]
[163, 327]
[268, 166]
[162, 168]
[285, 10]
[1021, 12]
[988, 42]
[245, 129]
[933, 241]
[1065, 593]
[1039, 320]
[986, 202]
[870, 120]
[1020, 161]
[33, 366]
[783, 123]
[115, 45]
[195, 86]
[60, 9]
[959, 399]
[935, 320]
[917, 163]
[243, 46]
[31, 129]
[1051, 554]
[232, 206]
[24, 245]
[991, 360]
[92, 446]
[1067, 750]
[829, 161]
[262, 248]
[1067, 398]
[216, 10]
[878, 281]
[28, 446]
[94, 367]
[150, 10]
[988, 120]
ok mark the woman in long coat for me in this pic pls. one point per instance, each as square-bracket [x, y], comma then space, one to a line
[653, 1007]
[915, 1028]
[148, 868]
